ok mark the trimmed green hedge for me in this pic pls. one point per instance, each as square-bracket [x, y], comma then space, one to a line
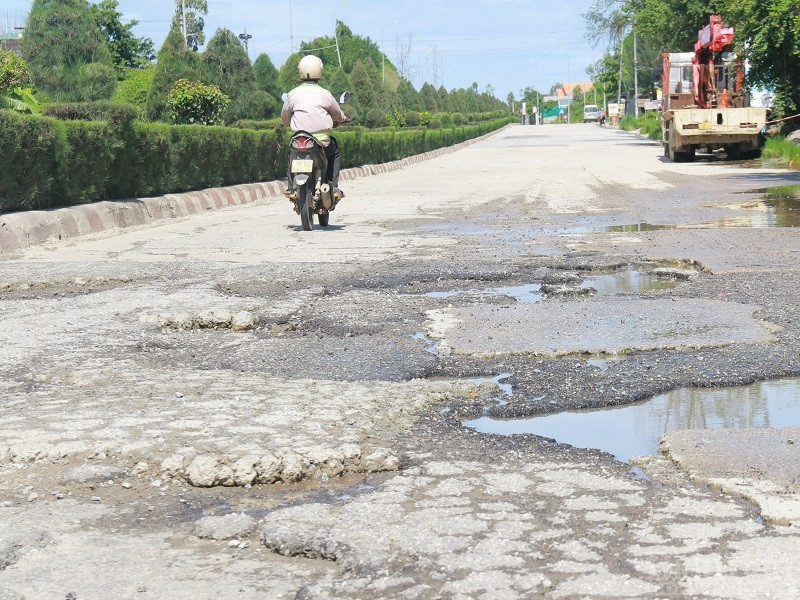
[47, 162]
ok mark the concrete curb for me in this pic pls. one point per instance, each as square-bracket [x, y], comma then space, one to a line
[30, 228]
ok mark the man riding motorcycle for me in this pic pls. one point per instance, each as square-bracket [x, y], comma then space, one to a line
[310, 107]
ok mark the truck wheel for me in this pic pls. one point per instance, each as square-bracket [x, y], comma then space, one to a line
[676, 156]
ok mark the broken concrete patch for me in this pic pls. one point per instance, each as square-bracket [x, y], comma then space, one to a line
[762, 465]
[227, 527]
[609, 326]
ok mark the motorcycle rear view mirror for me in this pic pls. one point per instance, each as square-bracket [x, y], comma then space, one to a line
[344, 97]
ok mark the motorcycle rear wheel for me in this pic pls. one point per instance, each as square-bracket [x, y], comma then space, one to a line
[324, 219]
[304, 201]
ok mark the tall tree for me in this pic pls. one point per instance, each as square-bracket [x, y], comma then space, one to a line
[66, 52]
[190, 13]
[175, 62]
[127, 51]
[226, 65]
[409, 97]
[768, 35]
[443, 100]
[267, 76]
[363, 90]
[403, 51]
[429, 98]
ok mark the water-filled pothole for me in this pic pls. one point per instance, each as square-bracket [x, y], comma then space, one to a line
[633, 430]
[627, 282]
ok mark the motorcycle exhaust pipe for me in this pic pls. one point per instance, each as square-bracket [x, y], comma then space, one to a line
[326, 195]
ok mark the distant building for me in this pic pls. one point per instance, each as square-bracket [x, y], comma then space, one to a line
[10, 41]
[569, 89]
[563, 101]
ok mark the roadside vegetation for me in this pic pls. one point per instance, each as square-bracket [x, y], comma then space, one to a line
[89, 112]
[782, 150]
[648, 124]
[767, 36]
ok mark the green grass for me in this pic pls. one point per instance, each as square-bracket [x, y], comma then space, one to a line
[648, 124]
[782, 150]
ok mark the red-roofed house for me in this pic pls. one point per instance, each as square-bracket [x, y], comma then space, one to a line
[567, 89]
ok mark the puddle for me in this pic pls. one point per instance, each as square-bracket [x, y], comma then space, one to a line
[504, 387]
[779, 206]
[430, 345]
[633, 430]
[602, 363]
[627, 282]
[528, 294]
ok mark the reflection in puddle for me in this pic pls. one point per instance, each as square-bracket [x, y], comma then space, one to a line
[626, 282]
[780, 205]
[528, 294]
[633, 430]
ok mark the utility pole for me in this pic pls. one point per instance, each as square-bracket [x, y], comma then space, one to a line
[245, 37]
[635, 74]
[619, 90]
[183, 25]
[336, 32]
[291, 28]
[435, 67]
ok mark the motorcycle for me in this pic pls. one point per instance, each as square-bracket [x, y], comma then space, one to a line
[308, 186]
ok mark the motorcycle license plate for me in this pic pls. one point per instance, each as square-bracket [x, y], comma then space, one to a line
[300, 165]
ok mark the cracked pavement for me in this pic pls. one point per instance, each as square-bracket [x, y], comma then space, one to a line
[316, 382]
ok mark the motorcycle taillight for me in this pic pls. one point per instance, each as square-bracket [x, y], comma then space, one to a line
[303, 143]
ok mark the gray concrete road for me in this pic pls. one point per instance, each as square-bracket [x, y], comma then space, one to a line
[226, 406]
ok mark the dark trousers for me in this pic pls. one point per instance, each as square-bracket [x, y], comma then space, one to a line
[334, 162]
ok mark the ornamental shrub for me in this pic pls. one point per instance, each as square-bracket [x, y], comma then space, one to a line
[65, 50]
[118, 114]
[14, 71]
[135, 88]
[375, 118]
[194, 103]
[412, 118]
[95, 81]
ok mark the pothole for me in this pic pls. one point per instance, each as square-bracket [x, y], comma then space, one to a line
[627, 282]
[241, 320]
[634, 429]
[78, 286]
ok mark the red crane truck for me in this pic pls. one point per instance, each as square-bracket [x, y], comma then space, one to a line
[704, 101]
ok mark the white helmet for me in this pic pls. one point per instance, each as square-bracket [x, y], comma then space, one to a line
[310, 68]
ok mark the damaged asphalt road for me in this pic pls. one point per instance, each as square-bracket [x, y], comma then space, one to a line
[226, 406]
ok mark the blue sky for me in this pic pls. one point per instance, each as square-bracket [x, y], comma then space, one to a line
[508, 44]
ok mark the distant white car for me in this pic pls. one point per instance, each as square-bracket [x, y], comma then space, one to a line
[591, 113]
